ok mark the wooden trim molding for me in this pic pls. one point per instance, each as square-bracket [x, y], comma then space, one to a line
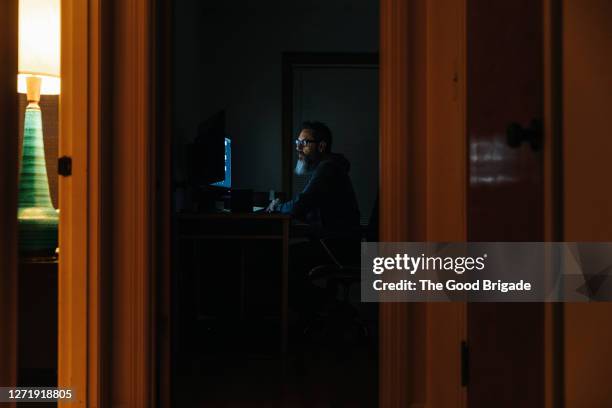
[9, 154]
[402, 326]
[132, 147]
[163, 97]
[76, 309]
[447, 184]
[553, 192]
[423, 159]
[98, 282]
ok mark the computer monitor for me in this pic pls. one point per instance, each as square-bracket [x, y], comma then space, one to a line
[227, 181]
[207, 155]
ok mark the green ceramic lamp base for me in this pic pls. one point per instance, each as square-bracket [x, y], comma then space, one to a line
[38, 219]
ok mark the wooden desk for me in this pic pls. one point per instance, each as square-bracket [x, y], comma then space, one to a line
[232, 244]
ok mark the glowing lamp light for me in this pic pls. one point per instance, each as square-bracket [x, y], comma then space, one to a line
[39, 44]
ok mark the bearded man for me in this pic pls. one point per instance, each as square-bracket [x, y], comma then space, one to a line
[328, 202]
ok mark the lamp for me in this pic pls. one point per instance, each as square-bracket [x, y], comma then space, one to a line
[39, 73]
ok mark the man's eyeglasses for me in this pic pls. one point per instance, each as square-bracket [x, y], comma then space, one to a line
[304, 142]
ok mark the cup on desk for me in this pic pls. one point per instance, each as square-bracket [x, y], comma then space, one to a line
[241, 201]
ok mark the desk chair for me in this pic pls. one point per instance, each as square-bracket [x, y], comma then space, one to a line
[341, 320]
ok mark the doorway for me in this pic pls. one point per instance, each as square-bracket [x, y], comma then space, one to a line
[329, 49]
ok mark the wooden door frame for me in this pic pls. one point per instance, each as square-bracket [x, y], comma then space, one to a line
[82, 350]
[423, 184]
[9, 154]
[107, 206]
[163, 88]
[554, 365]
[422, 79]
[132, 204]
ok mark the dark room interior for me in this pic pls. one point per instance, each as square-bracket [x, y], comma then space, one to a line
[266, 68]
[207, 204]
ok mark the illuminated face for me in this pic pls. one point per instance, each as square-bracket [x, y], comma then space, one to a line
[306, 144]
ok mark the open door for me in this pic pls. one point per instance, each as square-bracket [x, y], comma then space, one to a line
[473, 70]
[506, 191]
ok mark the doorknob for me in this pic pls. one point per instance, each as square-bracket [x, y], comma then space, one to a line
[516, 135]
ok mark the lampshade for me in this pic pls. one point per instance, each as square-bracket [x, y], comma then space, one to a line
[39, 44]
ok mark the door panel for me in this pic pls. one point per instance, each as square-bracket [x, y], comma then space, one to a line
[505, 194]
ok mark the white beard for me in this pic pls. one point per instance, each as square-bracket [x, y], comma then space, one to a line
[301, 168]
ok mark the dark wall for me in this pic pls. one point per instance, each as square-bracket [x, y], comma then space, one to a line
[228, 56]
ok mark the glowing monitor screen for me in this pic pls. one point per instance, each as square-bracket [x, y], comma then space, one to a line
[227, 181]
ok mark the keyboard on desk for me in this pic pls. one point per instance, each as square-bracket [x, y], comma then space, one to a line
[255, 209]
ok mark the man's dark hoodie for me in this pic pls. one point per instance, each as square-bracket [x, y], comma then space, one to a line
[327, 203]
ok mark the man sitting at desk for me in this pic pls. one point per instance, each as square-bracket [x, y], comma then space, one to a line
[327, 203]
